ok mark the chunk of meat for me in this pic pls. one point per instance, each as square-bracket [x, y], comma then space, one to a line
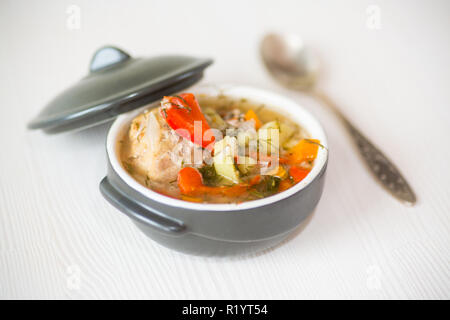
[156, 151]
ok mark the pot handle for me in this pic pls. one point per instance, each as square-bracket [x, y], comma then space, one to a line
[139, 212]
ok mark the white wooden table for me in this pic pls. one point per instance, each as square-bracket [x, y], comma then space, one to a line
[60, 239]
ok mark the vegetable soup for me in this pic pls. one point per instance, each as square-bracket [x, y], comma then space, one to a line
[216, 149]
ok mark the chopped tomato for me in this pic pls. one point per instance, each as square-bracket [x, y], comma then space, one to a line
[181, 113]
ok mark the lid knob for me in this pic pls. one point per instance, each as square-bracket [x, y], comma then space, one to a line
[107, 56]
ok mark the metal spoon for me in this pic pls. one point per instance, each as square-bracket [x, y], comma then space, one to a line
[294, 66]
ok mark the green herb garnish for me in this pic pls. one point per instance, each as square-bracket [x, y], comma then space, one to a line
[128, 167]
[181, 98]
[316, 143]
[260, 108]
[180, 106]
[256, 193]
[209, 175]
[268, 186]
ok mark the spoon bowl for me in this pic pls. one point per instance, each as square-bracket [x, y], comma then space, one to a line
[289, 61]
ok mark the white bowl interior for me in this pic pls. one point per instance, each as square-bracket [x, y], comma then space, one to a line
[271, 100]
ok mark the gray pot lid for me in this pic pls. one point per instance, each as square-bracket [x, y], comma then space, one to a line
[117, 83]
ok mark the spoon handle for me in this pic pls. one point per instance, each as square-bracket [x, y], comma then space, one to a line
[384, 171]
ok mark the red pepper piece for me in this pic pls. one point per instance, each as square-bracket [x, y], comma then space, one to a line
[181, 112]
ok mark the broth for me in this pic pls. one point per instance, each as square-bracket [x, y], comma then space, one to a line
[252, 152]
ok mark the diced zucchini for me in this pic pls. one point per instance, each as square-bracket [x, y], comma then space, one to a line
[269, 138]
[268, 142]
[225, 167]
[246, 164]
[227, 170]
[286, 131]
[227, 141]
[291, 143]
[270, 125]
[224, 152]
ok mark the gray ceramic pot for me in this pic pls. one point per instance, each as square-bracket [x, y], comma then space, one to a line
[217, 229]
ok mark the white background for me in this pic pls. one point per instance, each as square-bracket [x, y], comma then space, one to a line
[60, 239]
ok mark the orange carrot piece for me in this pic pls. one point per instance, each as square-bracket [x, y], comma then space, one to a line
[191, 199]
[189, 180]
[298, 174]
[252, 115]
[305, 150]
[237, 189]
[190, 183]
[255, 180]
[233, 191]
[284, 185]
